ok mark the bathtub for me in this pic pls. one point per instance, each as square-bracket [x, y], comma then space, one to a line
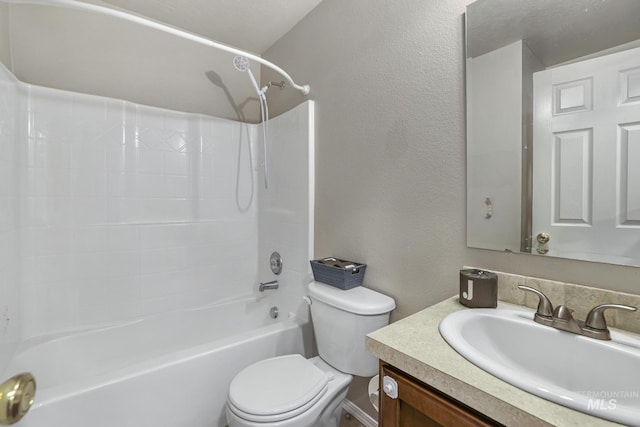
[170, 370]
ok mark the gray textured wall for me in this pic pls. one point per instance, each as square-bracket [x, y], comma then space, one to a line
[388, 82]
[390, 171]
[5, 56]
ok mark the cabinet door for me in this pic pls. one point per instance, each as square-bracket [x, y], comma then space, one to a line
[420, 406]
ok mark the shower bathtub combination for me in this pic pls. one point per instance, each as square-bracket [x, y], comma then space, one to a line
[143, 235]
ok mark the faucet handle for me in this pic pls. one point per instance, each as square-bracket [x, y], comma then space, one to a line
[595, 318]
[545, 308]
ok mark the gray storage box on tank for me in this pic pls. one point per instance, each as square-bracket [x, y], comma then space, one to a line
[336, 272]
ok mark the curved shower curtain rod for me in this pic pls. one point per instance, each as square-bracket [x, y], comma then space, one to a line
[74, 4]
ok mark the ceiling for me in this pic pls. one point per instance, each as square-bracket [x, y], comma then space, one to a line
[246, 24]
[79, 51]
[555, 31]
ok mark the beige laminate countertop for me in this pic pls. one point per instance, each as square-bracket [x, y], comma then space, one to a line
[414, 345]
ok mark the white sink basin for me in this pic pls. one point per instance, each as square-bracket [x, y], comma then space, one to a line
[601, 378]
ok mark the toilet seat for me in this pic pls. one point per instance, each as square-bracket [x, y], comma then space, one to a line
[276, 389]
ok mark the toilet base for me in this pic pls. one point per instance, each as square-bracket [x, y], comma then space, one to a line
[331, 415]
[325, 413]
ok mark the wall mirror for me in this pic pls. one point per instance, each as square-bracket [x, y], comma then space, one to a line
[553, 128]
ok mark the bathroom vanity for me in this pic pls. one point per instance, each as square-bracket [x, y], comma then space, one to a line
[417, 404]
[437, 386]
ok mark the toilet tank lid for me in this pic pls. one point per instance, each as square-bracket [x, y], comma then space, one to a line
[358, 300]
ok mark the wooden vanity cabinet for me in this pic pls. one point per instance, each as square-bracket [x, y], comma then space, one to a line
[419, 405]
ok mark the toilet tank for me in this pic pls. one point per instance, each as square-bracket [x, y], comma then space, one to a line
[341, 320]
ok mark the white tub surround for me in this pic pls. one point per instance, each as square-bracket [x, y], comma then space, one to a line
[121, 225]
[127, 210]
[9, 218]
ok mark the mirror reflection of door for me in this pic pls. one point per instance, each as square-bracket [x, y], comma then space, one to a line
[586, 194]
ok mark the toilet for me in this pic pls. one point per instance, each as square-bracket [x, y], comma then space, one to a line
[292, 391]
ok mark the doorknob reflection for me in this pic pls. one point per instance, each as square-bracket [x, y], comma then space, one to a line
[543, 239]
[16, 397]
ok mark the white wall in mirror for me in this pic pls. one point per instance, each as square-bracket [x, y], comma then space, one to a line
[499, 123]
[494, 82]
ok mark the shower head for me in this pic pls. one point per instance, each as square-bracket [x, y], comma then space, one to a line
[241, 63]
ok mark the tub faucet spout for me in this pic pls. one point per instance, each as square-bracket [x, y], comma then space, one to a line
[268, 285]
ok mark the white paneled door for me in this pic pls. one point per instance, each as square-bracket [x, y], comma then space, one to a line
[586, 156]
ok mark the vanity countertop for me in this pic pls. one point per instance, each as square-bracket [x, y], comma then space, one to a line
[414, 345]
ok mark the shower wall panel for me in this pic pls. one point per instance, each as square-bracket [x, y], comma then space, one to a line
[286, 208]
[130, 210]
[111, 211]
[9, 249]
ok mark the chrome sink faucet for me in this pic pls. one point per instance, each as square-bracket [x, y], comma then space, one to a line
[268, 285]
[595, 326]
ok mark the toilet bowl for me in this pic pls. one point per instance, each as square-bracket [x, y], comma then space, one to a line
[292, 391]
[287, 391]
